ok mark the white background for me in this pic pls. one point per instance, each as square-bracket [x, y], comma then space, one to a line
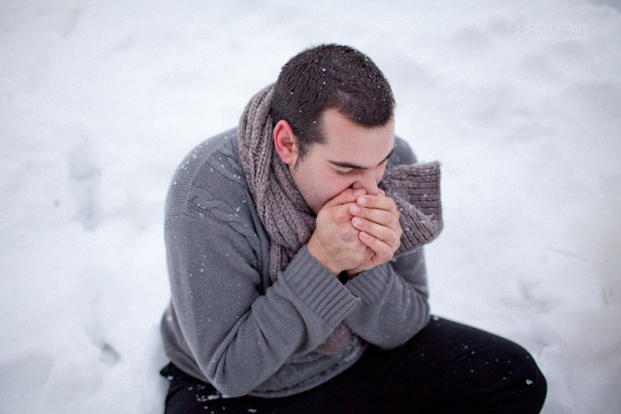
[100, 100]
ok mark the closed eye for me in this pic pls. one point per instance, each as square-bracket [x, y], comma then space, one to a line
[354, 167]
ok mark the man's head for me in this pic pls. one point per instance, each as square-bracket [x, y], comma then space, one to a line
[330, 76]
[333, 122]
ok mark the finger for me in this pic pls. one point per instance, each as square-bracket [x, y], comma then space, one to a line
[379, 202]
[383, 217]
[383, 233]
[383, 252]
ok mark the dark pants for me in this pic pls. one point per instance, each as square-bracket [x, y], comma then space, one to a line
[446, 368]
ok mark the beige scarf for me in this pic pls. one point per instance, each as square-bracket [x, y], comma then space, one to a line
[290, 222]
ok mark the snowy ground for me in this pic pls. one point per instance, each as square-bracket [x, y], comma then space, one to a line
[99, 100]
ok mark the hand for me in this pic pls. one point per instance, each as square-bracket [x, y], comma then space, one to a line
[335, 243]
[377, 218]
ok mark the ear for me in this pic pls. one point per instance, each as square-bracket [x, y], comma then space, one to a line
[285, 142]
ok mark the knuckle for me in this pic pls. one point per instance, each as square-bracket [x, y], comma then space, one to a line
[353, 234]
[388, 251]
[341, 214]
[395, 225]
[388, 218]
[392, 206]
[361, 254]
[389, 234]
[385, 254]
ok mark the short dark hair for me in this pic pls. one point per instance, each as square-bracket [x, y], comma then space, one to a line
[330, 76]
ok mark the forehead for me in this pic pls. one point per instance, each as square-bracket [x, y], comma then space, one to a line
[346, 141]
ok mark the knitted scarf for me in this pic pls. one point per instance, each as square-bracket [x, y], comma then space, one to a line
[290, 222]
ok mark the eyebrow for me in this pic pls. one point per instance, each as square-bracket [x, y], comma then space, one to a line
[357, 167]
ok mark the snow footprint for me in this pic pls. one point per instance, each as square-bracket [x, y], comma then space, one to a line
[85, 180]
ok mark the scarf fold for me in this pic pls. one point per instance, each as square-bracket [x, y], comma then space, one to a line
[290, 222]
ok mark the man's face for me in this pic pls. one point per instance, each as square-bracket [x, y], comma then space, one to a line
[352, 156]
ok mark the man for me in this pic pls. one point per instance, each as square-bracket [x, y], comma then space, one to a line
[297, 274]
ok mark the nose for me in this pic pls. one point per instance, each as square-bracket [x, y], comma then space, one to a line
[367, 181]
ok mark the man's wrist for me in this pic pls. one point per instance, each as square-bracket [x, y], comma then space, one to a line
[350, 274]
[314, 248]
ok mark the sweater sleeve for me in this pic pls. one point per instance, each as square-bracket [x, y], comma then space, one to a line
[393, 305]
[238, 333]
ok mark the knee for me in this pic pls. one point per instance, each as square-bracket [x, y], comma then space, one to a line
[529, 381]
[537, 385]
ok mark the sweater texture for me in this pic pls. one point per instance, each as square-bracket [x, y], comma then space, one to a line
[230, 325]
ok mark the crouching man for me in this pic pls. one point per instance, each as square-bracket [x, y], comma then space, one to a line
[296, 266]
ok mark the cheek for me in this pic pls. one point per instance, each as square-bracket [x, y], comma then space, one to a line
[335, 184]
[339, 184]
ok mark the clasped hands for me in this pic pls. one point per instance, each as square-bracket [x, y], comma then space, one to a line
[356, 231]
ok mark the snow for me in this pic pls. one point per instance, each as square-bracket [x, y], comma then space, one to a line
[99, 101]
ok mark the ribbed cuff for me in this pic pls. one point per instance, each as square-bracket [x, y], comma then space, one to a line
[370, 284]
[319, 289]
[415, 190]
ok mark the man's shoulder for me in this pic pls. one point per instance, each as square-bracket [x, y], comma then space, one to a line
[402, 155]
[210, 172]
[221, 147]
[226, 140]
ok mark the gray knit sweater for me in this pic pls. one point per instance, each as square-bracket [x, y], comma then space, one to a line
[227, 324]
